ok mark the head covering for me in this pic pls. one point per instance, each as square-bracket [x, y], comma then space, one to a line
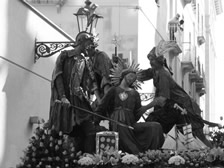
[84, 36]
[167, 46]
[152, 55]
[158, 52]
[162, 48]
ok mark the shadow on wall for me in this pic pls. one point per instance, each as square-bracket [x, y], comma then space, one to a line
[23, 91]
[14, 84]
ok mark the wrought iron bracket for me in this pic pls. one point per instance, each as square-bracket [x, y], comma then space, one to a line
[47, 49]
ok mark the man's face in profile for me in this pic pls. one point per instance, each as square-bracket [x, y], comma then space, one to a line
[88, 47]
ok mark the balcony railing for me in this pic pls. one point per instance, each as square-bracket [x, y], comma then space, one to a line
[176, 34]
[199, 82]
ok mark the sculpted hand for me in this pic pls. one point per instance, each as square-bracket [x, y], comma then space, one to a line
[65, 101]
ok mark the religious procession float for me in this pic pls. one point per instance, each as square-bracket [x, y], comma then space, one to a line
[119, 146]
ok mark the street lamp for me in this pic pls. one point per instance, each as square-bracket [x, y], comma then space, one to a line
[87, 18]
[87, 22]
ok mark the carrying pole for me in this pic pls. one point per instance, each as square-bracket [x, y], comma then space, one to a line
[98, 115]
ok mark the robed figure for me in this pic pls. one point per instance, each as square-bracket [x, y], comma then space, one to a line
[121, 104]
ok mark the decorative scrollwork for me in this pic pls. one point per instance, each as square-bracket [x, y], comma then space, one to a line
[47, 49]
[146, 96]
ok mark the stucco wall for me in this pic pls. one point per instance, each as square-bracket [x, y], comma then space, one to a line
[22, 93]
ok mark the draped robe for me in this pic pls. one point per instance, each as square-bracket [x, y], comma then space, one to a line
[121, 105]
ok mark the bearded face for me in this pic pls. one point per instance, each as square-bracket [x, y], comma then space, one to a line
[86, 46]
[91, 50]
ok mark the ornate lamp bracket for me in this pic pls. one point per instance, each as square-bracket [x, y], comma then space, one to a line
[47, 49]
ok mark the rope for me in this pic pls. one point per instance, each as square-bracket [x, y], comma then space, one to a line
[151, 23]
[26, 69]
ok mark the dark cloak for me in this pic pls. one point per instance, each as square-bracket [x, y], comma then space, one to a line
[72, 67]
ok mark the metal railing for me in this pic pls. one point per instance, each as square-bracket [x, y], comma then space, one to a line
[176, 34]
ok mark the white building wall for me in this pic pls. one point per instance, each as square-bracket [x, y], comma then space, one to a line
[147, 25]
[210, 55]
[200, 52]
[22, 93]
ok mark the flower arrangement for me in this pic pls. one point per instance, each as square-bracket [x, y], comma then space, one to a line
[217, 136]
[130, 159]
[86, 161]
[176, 160]
[49, 149]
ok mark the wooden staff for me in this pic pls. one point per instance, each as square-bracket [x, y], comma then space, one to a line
[98, 115]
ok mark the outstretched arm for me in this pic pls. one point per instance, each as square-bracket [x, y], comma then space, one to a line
[145, 75]
[163, 94]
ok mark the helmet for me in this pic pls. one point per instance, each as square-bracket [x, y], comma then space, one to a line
[82, 37]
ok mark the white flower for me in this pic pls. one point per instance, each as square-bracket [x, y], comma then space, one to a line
[34, 149]
[41, 144]
[49, 132]
[60, 133]
[86, 161]
[37, 137]
[73, 149]
[51, 138]
[114, 161]
[59, 142]
[130, 159]
[177, 160]
[57, 158]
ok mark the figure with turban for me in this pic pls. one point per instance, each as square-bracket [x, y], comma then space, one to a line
[168, 93]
